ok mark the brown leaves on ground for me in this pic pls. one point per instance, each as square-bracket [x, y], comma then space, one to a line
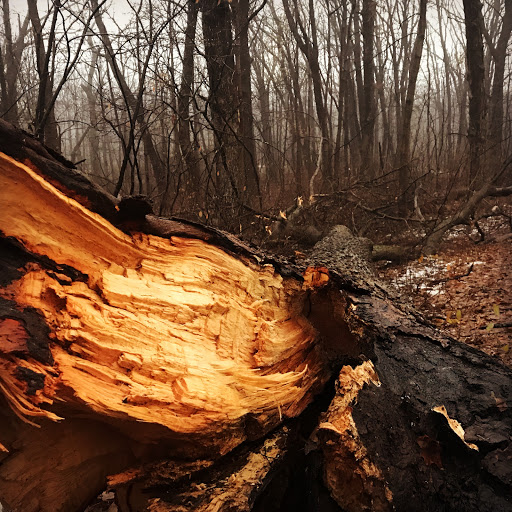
[466, 290]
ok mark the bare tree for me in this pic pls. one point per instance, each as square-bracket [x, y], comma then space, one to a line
[135, 107]
[476, 79]
[225, 103]
[45, 124]
[404, 129]
[308, 44]
[187, 148]
[368, 114]
[499, 54]
[10, 62]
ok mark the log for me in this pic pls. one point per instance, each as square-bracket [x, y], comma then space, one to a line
[185, 370]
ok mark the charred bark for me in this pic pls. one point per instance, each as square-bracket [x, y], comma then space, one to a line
[194, 370]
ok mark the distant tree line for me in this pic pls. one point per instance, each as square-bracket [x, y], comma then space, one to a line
[221, 109]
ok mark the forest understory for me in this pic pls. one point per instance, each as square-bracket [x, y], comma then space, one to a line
[463, 289]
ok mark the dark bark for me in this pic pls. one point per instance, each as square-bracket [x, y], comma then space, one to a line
[404, 135]
[224, 102]
[477, 100]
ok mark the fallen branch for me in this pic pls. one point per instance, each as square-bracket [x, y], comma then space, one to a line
[464, 215]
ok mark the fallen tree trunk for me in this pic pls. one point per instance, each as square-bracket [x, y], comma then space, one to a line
[192, 371]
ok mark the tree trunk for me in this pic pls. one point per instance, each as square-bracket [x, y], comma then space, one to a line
[225, 105]
[45, 124]
[496, 100]
[476, 80]
[188, 149]
[368, 116]
[269, 174]
[184, 361]
[12, 63]
[245, 93]
[404, 137]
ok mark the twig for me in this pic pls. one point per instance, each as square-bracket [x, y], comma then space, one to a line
[452, 278]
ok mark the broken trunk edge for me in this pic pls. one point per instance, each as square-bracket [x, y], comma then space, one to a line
[410, 405]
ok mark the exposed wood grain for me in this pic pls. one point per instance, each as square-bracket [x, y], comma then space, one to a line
[170, 340]
[166, 353]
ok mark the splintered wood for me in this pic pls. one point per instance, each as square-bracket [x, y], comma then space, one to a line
[352, 477]
[150, 356]
[171, 332]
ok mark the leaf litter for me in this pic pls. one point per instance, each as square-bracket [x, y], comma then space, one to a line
[465, 290]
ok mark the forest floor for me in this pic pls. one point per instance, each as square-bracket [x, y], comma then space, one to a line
[465, 289]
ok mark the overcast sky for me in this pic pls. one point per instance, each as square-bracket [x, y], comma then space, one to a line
[118, 9]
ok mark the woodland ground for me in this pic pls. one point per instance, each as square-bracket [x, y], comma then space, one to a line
[466, 289]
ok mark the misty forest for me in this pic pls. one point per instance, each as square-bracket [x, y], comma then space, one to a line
[255, 255]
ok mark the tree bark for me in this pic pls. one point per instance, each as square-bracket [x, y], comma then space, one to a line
[225, 105]
[243, 56]
[369, 13]
[404, 137]
[13, 51]
[188, 148]
[184, 361]
[476, 79]
[45, 124]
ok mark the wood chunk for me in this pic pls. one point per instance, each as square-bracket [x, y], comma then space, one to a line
[179, 361]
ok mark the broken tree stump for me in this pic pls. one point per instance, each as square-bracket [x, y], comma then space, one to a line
[187, 371]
